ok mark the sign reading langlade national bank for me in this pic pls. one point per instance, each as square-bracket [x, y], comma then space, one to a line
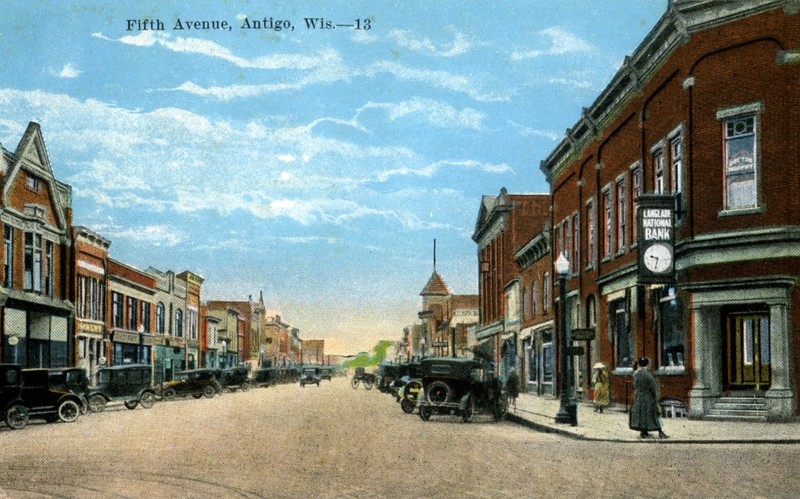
[655, 219]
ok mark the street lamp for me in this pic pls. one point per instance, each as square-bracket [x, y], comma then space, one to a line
[567, 411]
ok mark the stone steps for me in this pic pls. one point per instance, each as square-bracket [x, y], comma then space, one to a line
[742, 408]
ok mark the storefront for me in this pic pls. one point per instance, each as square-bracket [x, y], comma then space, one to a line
[36, 335]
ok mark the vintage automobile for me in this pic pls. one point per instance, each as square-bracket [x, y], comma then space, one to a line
[462, 387]
[197, 383]
[326, 372]
[266, 376]
[48, 400]
[234, 378]
[12, 408]
[72, 379]
[388, 373]
[130, 384]
[363, 377]
[408, 394]
[310, 376]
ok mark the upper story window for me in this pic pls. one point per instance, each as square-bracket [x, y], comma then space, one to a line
[8, 263]
[741, 175]
[133, 313]
[636, 191]
[535, 297]
[161, 323]
[90, 300]
[658, 171]
[622, 215]
[146, 311]
[548, 289]
[591, 230]
[34, 183]
[117, 311]
[576, 243]
[608, 223]
[33, 261]
[192, 323]
[179, 323]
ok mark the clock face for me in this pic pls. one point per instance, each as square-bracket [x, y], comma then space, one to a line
[658, 258]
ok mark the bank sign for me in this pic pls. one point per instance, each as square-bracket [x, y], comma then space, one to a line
[655, 221]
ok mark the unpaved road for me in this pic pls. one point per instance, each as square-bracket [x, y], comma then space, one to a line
[333, 441]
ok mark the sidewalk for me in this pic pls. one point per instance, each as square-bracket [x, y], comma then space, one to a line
[612, 425]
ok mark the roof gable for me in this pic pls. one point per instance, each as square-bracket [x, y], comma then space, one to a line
[435, 286]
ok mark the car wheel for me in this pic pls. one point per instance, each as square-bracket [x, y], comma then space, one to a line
[131, 404]
[354, 383]
[97, 403]
[368, 384]
[169, 394]
[407, 405]
[68, 411]
[148, 400]
[209, 391]
[425, 412]
[17, 416]
[84, 405]
[197, 395]
[245, 386]
[469, 411]
[438, 392]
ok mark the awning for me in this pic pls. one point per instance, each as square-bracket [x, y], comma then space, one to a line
[485, 349]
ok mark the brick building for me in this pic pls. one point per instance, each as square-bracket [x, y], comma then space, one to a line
[36, 309]
[130, 320]
[505, 223]
[704, 115]
[91, 297]
[314, 352]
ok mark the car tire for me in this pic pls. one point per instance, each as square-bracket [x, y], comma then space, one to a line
[131, 404]
[438, 392]
[245, 386]
[407, 405]
[425, 412]
[68, 411]
[368, 384]
[97, 403]
[501, 407]
[197, 395]
[84, 405]
[169, 394]
[147, 400]
[17, 416]
[209, 391]
[354, 383]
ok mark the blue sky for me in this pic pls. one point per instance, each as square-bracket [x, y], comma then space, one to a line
[317, 166]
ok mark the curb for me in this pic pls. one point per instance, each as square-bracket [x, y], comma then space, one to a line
[568, 434]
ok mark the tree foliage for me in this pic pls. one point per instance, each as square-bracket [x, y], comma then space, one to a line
[371, 358]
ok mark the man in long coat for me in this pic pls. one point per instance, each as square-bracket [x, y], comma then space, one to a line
[644, 415]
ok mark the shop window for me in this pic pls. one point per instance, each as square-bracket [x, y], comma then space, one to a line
[548, 363]
[670, 330]
[621, 333]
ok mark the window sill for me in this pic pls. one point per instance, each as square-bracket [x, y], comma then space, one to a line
[606, 259]
[620, 253]
[623, 371]
[671, 371]
[742, 211]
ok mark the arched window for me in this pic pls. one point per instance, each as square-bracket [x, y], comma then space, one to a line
[161, 324]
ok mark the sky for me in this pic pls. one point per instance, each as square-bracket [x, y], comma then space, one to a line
[315, 166]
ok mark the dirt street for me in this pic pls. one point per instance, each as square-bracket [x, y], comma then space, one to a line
[333, 441]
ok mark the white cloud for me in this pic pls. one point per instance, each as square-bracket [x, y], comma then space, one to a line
[154, 235]
[560, 42]
[439, 79]
[434, 112]
[406, 39]
[431, 169]
[69, 71]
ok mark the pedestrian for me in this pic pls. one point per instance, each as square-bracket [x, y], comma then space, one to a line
[645, 414]
[601, 387]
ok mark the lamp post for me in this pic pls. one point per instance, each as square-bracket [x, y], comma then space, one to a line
[567, 411]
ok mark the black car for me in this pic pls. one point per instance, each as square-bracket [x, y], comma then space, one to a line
[197, 383]
[73, 379]
[12, 408]
[130, 384]
[326, 373]
[48, 399]
[266, 376]
[310, 376]
[462, 387]
[235, 378]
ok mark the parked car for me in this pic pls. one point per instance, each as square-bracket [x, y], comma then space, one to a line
[235, 378]
[460, 386]
[197, 383]
[266, 376]
[48, 399]
[130, 384]
[310, 376]
[326, 372]
[72, 379]
[12, 408]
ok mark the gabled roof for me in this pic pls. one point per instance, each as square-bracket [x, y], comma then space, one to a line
[435, 287]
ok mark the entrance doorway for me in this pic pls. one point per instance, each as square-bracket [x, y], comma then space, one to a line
[748, 351]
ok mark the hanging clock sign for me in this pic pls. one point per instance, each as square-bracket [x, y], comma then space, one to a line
[655, 219]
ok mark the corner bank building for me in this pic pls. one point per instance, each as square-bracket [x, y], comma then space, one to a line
[695, 141]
